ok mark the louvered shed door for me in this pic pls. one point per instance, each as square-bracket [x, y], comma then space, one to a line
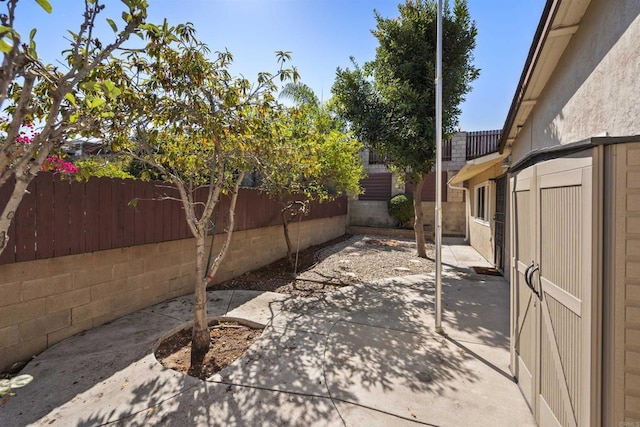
[565, 254]
[552, 226]
[524, 304]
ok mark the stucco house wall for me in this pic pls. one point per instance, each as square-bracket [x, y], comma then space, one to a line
[595, 86]
[481, 232]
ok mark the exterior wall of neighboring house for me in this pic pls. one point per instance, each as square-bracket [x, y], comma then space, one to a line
[370, 208]
[481, 222]
[594, 88]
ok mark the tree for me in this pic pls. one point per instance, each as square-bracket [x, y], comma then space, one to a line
[201, 129]
[319, 161]
[60, 102]
[390, 102]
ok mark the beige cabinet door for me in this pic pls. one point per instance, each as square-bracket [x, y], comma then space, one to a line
[551, 283]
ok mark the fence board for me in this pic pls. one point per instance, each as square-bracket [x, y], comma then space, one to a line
[77, 219]
[176, 221]
[429, 187]
[9, 253]
[106, 212]
[376, 186]
[61, 215]
[166, 220]
[92, 215]
[118, 206]
[25, 219]
[44, 216]
[128, 238]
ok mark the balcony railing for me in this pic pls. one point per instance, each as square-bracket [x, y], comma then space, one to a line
[481, 143]
[377, 159]
[446, 150]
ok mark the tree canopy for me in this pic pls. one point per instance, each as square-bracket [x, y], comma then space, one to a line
[44, 104]
[390, 101]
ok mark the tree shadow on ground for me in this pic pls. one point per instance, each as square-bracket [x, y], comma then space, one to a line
[336, 358]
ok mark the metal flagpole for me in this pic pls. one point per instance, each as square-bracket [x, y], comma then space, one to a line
[438, 212]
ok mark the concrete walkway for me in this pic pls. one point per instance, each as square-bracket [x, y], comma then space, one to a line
[364, 355]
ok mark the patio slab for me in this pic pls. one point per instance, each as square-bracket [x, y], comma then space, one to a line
[363, 355]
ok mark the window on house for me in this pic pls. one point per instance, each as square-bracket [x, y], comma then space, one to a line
[481, 210]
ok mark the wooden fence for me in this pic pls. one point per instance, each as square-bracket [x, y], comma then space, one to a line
[61, 217]
[481, 143]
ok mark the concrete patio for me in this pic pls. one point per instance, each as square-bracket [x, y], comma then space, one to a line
[365, 354]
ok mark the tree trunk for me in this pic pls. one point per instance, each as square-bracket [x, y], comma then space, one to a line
[9, 210]
[418, 225]
[285, 227]
[200, 336]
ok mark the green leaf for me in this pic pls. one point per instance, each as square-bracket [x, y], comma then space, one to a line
[32, 34]
[95, 102]
[113, 25]
[133, 203]
[4, 46]
[72, 99]
[45, 5]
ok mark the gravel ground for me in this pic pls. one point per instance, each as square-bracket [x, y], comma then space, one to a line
[344, 261]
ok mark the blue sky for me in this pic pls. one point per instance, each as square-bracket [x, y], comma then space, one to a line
[321, 35]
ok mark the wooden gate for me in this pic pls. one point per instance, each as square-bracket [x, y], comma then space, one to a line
[552, 205]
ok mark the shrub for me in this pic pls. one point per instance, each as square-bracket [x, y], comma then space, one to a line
[400, 207]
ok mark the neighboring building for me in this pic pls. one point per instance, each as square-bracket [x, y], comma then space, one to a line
[370, 208]
[82, 147]
[566, 183]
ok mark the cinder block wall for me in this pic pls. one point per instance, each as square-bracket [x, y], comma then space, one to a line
[45, 301]
[367, 213]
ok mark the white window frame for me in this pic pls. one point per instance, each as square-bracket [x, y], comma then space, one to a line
[481, 211]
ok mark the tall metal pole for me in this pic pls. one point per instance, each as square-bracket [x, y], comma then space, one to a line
[438, 212]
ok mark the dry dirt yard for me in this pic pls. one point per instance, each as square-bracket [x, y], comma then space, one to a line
[347, 260]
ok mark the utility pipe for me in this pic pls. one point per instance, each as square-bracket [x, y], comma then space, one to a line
[467, 207]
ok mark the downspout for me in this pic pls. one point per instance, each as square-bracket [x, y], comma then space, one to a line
[467, 207]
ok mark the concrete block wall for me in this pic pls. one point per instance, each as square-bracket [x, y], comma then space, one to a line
[454, 195]
[367, 213]
[45, 301]
[458, 152]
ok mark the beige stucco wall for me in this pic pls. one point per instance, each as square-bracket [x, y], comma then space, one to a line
[595, 86]
[481, 232]
[45, 301]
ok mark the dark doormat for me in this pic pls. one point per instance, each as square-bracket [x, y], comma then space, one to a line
[488, 271]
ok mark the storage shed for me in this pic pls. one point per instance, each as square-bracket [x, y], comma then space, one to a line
[568, 168]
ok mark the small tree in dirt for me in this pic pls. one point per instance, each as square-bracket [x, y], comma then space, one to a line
[319, 160]
[45, 104]
[202, 129]
[391, 102]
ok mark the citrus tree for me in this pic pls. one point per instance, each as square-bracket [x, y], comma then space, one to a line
[43, 104]
[183, 114]
[318, 161]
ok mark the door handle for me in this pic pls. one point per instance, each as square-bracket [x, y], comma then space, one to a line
[529, 280]
[526, 273]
